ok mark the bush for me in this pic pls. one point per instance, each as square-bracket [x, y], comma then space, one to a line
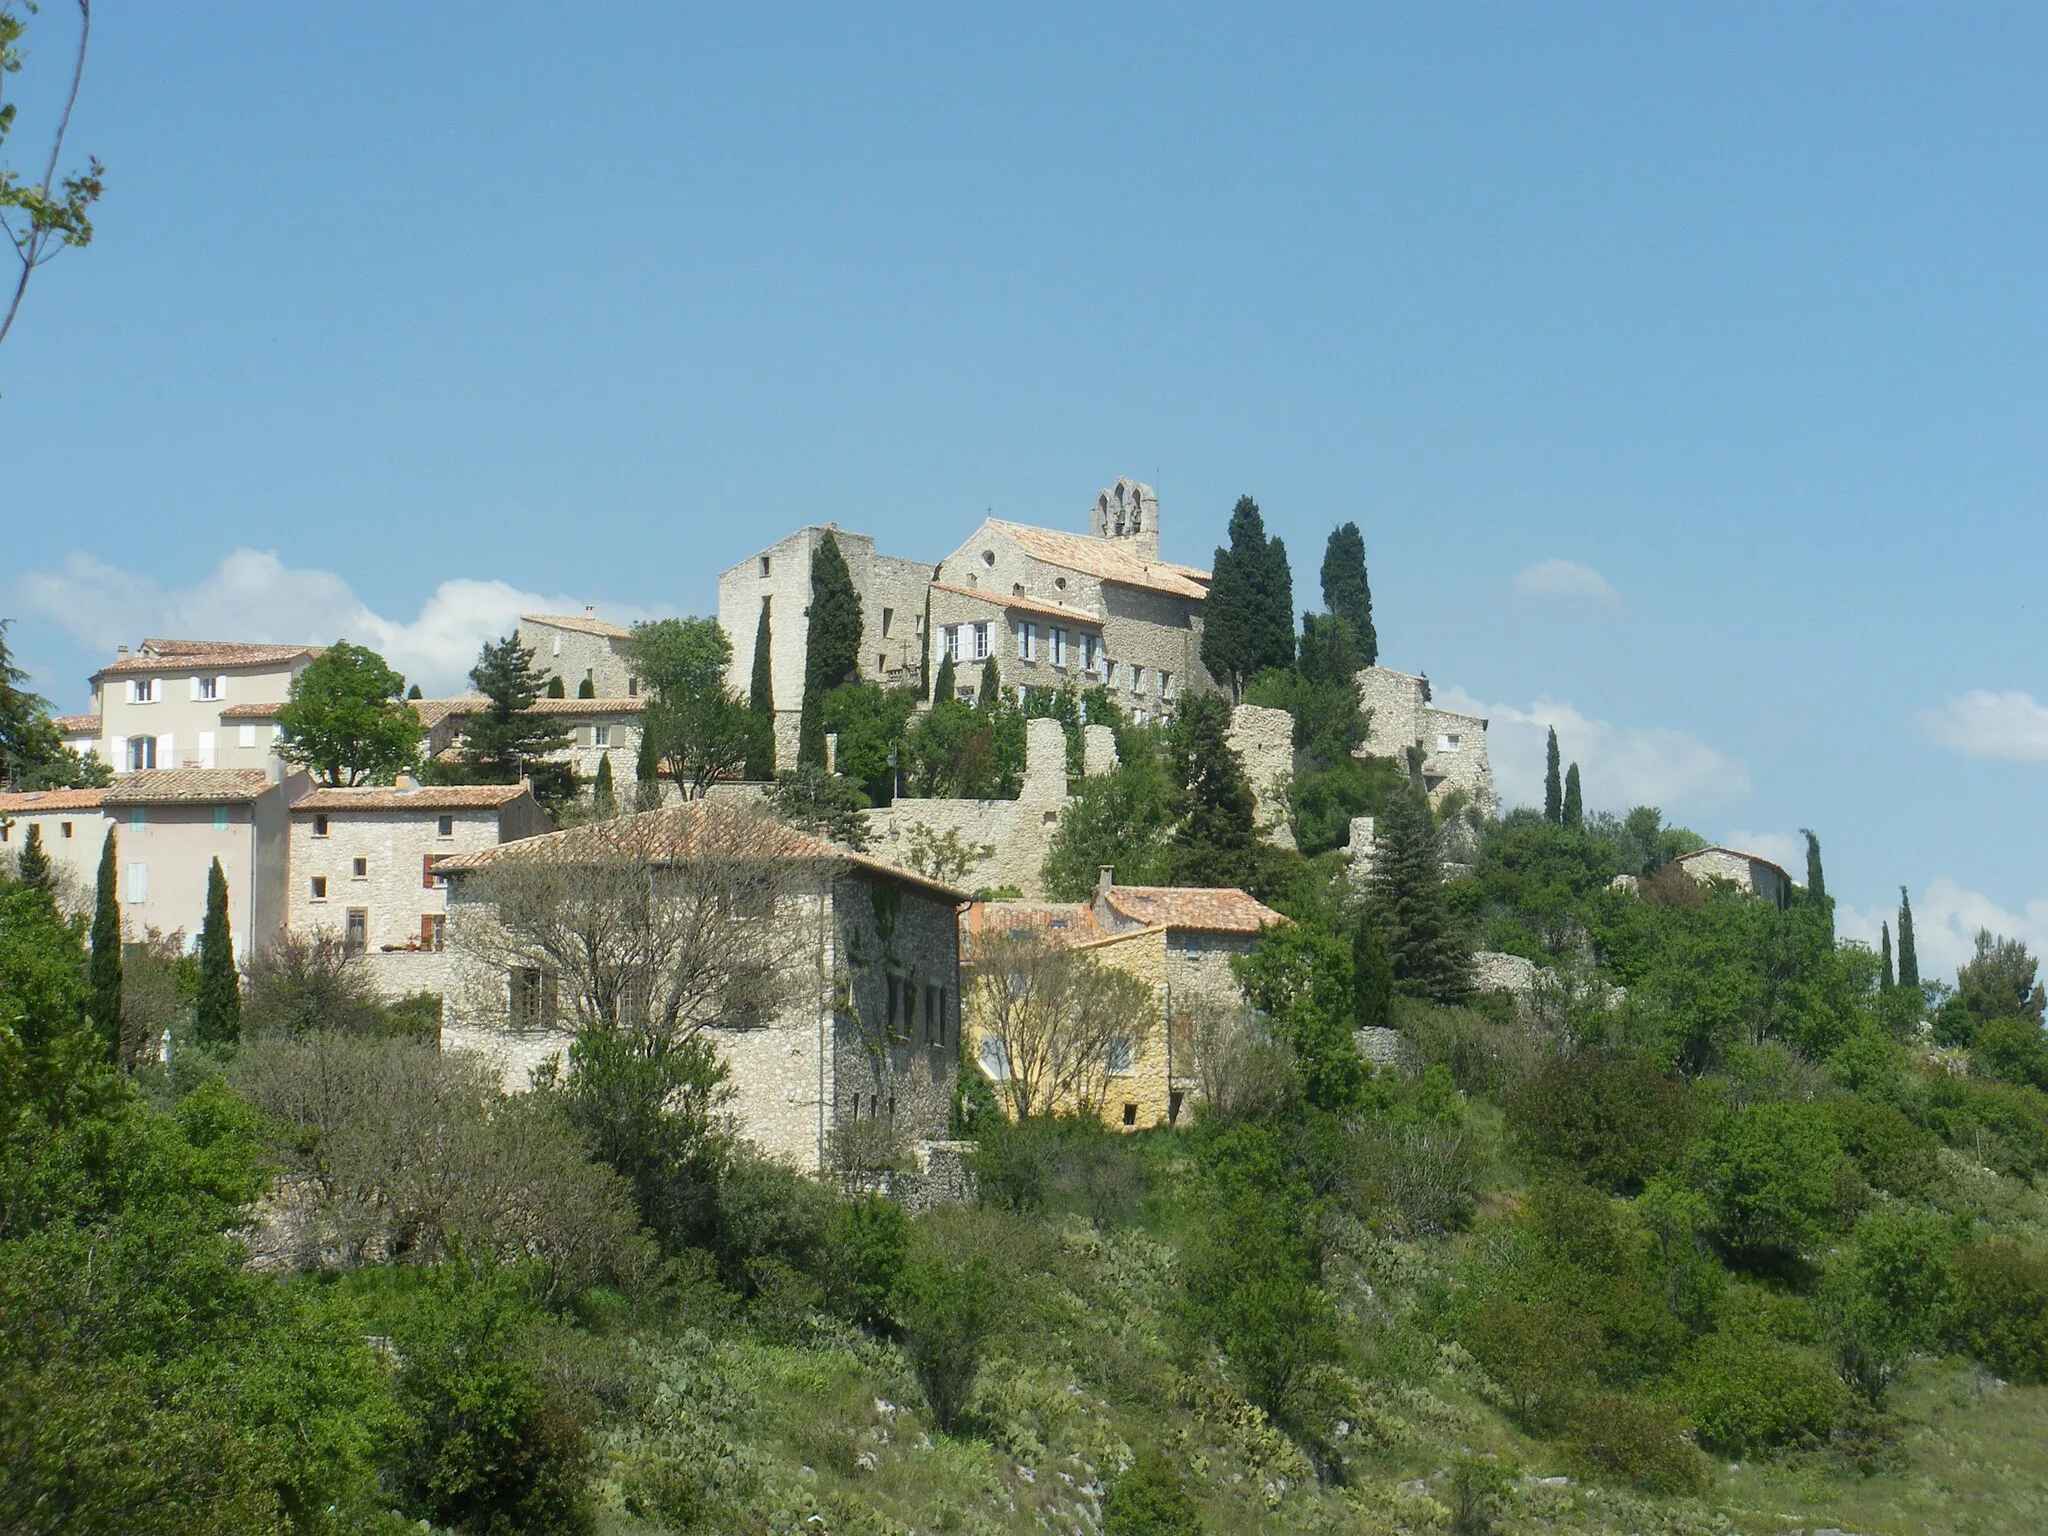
[1419, 1178]
[1771, 1174]
[1746, 1394]
[1887, 1294]
[948, 1315]
[1637, 1441]
[2002, 1309]
[2012, 1050]
[2004, 1126]
[867, 1244]
[1542, 1353]
[1616, 1120]
[767, 1210]
[1066, 1163]
[1149, 1500]
[1893, 1153]
[1483, 1054]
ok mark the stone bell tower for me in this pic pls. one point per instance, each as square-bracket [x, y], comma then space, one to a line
[1128, 512]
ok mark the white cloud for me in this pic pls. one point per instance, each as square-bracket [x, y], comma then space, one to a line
[1566, 579]
[1785, 849]
[1945, 922]
[2011, 725]
[1620, 766]
[255, 596]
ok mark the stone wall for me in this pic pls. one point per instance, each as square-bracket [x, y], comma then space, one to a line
[1098, 750]
[1744, 870]
[1264, 739]
[574, 654]
[1453, 745]
[394, 889]
[1014, 833]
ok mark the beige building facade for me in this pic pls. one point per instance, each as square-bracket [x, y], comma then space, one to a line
[580, 649]
[73, 830]
[170, 705]
[1746, 871]
[1452, 745]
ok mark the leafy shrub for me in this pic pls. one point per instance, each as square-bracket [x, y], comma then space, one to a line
[1065, 1162]
[781, 1299]
[2012, 1050]
[1746, 1394]
[1771, 1174]
[2002, 1125]
[1419, 1178]
[1149, 1500]
[1542, 1353]
[1637, 1441]
[2002, 1309]
[1483, 1054]
[948, 1315]
[867, 1243]
[1887, 1294]
[1478, 1493]
[1893, 1153]
[767, 1210]
[1617, 1120]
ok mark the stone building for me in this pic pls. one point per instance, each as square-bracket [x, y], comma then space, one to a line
[172, 704]
[1178, 940]
[1746, 871]
[1453, 746]
[869, 1029]
[579, 650]
[73, 832]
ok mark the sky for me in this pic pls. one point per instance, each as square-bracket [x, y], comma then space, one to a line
[1684, 366]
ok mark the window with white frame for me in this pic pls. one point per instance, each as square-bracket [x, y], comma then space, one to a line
[206, 689]
[142, 690]
[949, 642]
[1137, 679]
[981, 642]
[1027, 641]
[1447, 743]
[601, 735]
[1091, 651]
[141, 753]
[1109, 671]
[1056, 647]
[1165, 682]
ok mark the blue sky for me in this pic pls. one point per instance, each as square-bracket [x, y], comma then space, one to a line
[1684, 366]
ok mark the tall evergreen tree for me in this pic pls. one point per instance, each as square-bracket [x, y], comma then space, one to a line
[990, 693]
[1215, 841]
[945, 685]
[1816, 882]
[1346, 592]
[1430, 955]
[503, 741]
[604, 795]
[1372, 975]
[35, 869]
[924, 651]
[413, 693]
[761, 701]
[1574, 809]
[557, 689]
[647, 776]
[105, 969]
[1553, 786]
[1885, 955]
[1248, 619]
[217, 1011]
[587, 689]
[1909, 963]
[831, 644]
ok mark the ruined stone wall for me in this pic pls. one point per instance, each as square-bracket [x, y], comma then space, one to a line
[1453, 745]
[574, 654]
[1264, 739]
[1012, 834]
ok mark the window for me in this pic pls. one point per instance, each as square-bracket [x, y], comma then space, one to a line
[764, 565]
[1120, 1057]
[888, 619]
[533, 995]
[141, 753]
[1109, 671]
[355, 931]
[995, 1059]
[319, 888]
[220, 818]
[1027, 641]
[319, 826]
[881, 661]
[1447, 743]
[247, 736]
[934, 1015]
[142, 691]
[205, 689]
[601, 735]
[1056, 647]
[206, 755]
[138, 882]
[632, 687]
[67, 829]
[1165, 683]
[1137, 679]
[949, 641]
[360, 869]
[1091, 652]
[428, 879]
[981, 642]
[1130, 1114]
[444, 826]
[1188, 942]
[558, 642]
[138, 818]
[433, 930]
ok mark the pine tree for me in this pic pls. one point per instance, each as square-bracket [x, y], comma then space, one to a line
[556, 689]
[1428, 950]
[1248, 619]
[1215, 841]
[217, 1011]
[1574, 808]
[1885, 955]
[1553, 787]
[587, 689]
[503, 741]
[990, 693]
[1372, 976]
[924, 651]
[831, 644]
[944, 686]
[105, 972]
[604, 799]
[1909, 963]
[35, 870]
[761, 701]
[1346, 592]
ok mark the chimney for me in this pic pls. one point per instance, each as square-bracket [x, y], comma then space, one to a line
[1105, 880]
[406, 784]
[590, 610]
[121, 652]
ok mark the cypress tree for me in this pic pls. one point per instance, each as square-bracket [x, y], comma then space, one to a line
[1885, 955]
[924, 651]
[1372, 975]
[831, 644]
[1553, 787]
[35, 870]
[1816, 882]
[414, 692]
[1248, 619]
[1346, 592]
[647, 776]
[760, 763]
[555, 688]
[604, 798]
[944, 686]
[1909, 963]
[1428, 950]
[217, 1012]
[1216, 841]
[587, 689]
[990, 693]
[105, 972]
[1574, 817]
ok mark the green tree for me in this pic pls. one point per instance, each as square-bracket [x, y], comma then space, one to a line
[347, 720]
[1431, 955]
[700, 728]
[1885, 976]
[604, 798]
[1816, 881]
[32, 753]
[1770, 1173]
[990, 693]
[948, 1314]
[504, 741]
[1123, 819]
[1347, 593]
[1890, 1292]
[587, 689]
[1574, 810]
[44, 217]
[1909, 962]
[924, 650]
[106, 952]
[809, 798]
[1302, 981]
[873, 726]
[34, 869]
[646, 776]
[217, 1014]
[760, 764]
[1372, 975]
[1553, 786]
[1148, 1499]
[1997, 981]
[867, 1243]
[1248, 619]
[1215, 842]
[556, 689]
[831, 643]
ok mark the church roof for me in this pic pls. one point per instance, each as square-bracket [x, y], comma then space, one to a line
[1104, 559]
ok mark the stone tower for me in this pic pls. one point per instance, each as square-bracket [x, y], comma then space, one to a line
[1128, 511]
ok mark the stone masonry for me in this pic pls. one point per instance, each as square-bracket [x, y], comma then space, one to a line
[1453, 745]
[1264, 740]
[1014, 833]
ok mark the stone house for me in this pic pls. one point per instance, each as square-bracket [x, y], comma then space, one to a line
[171, 824]
[73, 832]
[579, 650]
[869, 1029]
[1453, 745]
[362, 867]
[1178, 940]
[1747, 871]
[172, 705]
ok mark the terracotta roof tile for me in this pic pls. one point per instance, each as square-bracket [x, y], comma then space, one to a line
[1222, 910]
[22, 802]
[1071, 922]
[1022, 604]
[252, 711]
[579, 624]
[427, 797]
[1102, 558]
[175, 655]
[1754, 858]
[434, 711]
[73, 725]
[199, 786]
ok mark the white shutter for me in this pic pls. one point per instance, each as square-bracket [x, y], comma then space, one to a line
[120, 750]
[220, 688]
[248, 737]
[206, 749]
[195, 689]
[166, 753]
[138, 882]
